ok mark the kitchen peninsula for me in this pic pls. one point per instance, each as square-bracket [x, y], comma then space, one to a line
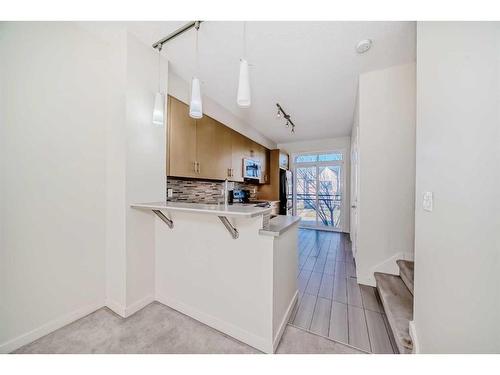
[227, 266]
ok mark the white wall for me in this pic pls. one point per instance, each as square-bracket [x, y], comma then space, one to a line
[77, 148]
[54, 81]
[457, 246]
[145, 169]
[386, 170]
[328, 144]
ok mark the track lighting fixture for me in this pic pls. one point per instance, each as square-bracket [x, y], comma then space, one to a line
[289, 122]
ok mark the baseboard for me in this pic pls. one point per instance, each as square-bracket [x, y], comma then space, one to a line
[116, 307]
[414, 337]
[49, 327]
[284, 322]
[136, 306]
[126, 311]
[248, 338]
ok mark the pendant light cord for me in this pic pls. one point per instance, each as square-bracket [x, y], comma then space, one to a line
[244, 40]
[196, 51]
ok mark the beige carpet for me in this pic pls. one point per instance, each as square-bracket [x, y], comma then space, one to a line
[160, 329]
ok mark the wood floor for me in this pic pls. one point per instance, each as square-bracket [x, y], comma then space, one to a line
[331, 303]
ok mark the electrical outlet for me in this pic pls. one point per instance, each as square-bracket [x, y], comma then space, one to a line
[170, 193]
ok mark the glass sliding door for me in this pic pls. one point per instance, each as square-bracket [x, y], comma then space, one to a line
[305, 196]
[319, 189]
[329, 196]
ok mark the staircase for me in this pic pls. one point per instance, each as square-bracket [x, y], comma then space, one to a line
[396, 294]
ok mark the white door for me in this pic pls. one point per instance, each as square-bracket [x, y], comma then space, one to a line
[354, 191]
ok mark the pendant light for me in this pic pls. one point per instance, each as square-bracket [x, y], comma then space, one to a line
[243, 98]
[195, 104]
[159, 108]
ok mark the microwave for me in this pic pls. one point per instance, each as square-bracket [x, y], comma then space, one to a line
[251, 169]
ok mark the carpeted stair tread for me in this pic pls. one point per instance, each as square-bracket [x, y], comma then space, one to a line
[406, 273]
[398, 305]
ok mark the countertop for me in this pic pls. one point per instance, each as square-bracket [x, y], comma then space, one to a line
[279, 225]
[236, 210]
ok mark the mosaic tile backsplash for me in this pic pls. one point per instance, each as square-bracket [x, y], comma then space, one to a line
[203, 191]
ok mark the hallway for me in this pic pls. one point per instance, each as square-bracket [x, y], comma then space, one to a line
[331, 303]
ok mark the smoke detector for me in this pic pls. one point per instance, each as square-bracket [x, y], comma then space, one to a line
[364, 45]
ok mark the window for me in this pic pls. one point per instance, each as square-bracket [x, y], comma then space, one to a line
[323, 157]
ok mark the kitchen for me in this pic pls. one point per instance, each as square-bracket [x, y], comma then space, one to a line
[240, 229]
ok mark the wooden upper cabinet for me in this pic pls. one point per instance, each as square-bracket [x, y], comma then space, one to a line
[239, 150]
[181, 140]
[225, 141]
[213, 151]
[205, 148]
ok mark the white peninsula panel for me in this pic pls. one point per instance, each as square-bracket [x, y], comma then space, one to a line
[245, 287]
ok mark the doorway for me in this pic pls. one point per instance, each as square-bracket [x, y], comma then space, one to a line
[318, 190]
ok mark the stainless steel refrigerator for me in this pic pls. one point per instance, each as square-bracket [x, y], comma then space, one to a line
[286, 202]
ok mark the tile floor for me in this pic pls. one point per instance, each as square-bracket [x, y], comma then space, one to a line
[331, 302]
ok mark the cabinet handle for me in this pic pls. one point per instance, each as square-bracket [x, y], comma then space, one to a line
[194, 166]
[198, 166]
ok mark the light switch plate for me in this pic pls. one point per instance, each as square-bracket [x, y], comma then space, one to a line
[428, 201]
[170, 193]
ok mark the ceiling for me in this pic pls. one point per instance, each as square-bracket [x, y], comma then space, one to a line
[310, 68]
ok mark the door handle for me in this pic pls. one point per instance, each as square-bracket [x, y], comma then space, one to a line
[354, 206]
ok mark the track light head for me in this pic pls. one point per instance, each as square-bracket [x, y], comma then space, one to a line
[282, 113]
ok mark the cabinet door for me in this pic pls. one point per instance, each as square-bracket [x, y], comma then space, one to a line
[265, 179]
[239, 150]
[206, 147]
[213, 149]
[181, 140]
[225, 140]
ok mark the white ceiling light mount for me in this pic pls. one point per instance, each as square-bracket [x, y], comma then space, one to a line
[364, 45]
[244, 97]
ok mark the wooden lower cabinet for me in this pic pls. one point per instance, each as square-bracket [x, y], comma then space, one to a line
[207, 149]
